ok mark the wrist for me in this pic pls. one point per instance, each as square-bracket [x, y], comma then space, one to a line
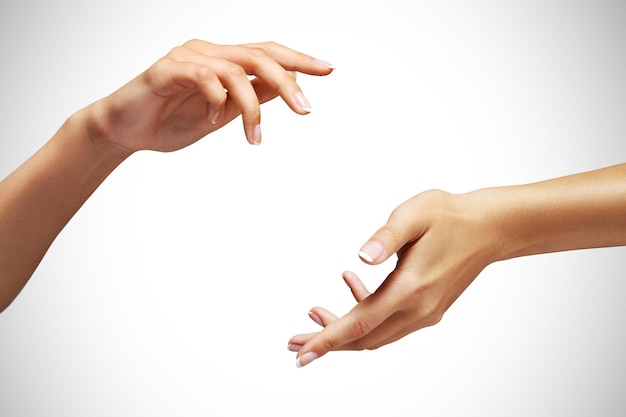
[84, 124]
[487, 209]
[78, 154]
[526, 220]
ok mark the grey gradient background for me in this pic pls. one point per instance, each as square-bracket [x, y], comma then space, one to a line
[176, 287]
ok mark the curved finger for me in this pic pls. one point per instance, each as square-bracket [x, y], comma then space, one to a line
[233, 78]
[256, 61]
[405, 225]
[352, 328]
[356, 285]
[264, 91]
[169, 76]
[323, 317]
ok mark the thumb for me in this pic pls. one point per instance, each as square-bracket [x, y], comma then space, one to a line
[403, 226]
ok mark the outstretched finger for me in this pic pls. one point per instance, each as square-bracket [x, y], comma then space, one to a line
[321, 316]
[293, 60]
[297, 342]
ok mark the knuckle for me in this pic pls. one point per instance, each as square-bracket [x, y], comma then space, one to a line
[362, 345]
[235, 71]
[431, 314]
[204, 73]
[361, 327]
[390, 234]
[329, 345]
[157, 73]
[159, 65]
[257, 53]
[432, 319]
[221, 99]
[190, 42]
[269, 46]
[193, 43]
[176, 52]
[431, 308]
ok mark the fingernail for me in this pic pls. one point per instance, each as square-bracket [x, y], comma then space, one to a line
[294, 347]
[371, 251]
[303, 102]
[256, 135]
[215, 117]
[316, 318]
[326, 64]
[306, 359]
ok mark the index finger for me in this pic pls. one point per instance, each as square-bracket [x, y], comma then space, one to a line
[293, 60]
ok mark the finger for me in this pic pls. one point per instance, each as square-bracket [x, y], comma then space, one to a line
[168, 77]
[293, 60]
[395, 330]
[356, 285]
[234, 79]
[403, 226]
[259, 63]
[264, 91]
[288, 58]
[321, 316]
[296, 342]
[345, 331]
[245, 101]
[255, 60]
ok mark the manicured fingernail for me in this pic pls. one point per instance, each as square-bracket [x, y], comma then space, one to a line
[371, 251]
[316, 318]
[294, 347]
[256, 135]
[215, 117]
[326, 64]
[303, 102]
[306, 359]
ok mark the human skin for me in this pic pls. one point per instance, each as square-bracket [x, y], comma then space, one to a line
[194, 90]
[443, 241]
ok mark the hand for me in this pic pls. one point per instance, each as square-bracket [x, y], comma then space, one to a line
[442, 245]
[196, 89]
[323, 317]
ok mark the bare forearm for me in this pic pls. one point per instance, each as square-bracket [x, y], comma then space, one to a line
[586, 210]
[40, 197]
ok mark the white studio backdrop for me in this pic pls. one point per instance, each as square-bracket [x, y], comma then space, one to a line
[175, 289]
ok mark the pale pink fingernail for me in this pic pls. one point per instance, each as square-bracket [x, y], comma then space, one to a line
[294, 347]
[326, 64]
[256, 135]
[371, 251]
[215, 117]
[306, 359]
[316, 318]
[303, 103]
